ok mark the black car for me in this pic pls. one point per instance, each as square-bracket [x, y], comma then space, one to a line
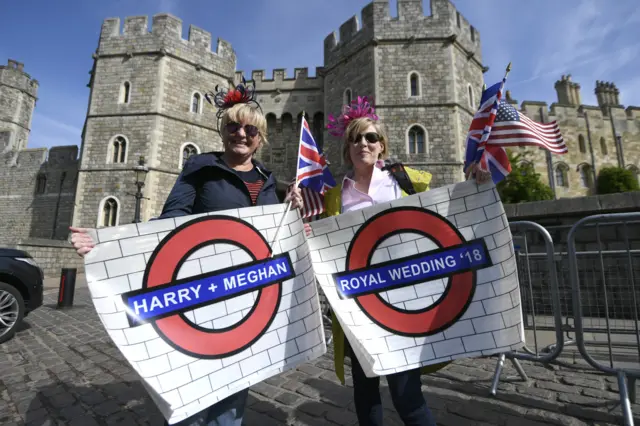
[20, 289]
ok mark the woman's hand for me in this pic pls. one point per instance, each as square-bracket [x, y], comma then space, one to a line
[81, 240]
[481, 176]
[295, 196]
[307, 229]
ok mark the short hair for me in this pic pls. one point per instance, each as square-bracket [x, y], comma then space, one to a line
[356, 127]
[249, 114]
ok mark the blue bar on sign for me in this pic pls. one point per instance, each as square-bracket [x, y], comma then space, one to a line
[193, 292]
[412, 270]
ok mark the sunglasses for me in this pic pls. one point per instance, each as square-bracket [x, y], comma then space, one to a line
[233, 127]
[370, 137]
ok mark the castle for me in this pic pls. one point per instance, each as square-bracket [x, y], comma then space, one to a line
[147, 87]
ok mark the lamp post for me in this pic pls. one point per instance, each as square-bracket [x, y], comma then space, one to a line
[141, 173]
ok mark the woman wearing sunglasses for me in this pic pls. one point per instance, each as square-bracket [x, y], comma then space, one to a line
[369, 182]
[219, 181]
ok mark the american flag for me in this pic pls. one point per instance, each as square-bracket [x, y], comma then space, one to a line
[313, 175]
[512, 128]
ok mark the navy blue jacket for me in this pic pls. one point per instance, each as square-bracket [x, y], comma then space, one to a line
[207, 184]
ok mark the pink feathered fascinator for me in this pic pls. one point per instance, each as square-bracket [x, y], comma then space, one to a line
[360, 107]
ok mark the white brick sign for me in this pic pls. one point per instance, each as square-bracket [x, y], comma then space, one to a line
[424, 279]
[200, 308]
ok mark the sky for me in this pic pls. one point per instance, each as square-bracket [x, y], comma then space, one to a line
[544, 39]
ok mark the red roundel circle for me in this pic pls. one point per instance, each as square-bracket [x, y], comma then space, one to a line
[457, 295]
[167, 258]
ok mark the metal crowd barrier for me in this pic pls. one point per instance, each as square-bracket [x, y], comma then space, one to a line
[612, 309]
[529, 296]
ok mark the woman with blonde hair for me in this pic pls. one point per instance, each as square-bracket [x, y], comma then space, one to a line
[371, 181]
[219, 181]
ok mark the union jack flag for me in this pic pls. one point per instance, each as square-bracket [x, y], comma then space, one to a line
[313, 175]
[482, 122]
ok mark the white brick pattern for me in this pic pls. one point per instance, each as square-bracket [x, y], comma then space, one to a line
[492, 322]
[182, 382]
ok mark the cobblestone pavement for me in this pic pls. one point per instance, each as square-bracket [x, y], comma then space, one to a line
[62, 369]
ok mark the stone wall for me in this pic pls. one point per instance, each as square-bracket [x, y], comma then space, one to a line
[52, 256]
[37, 194]
[585, 128]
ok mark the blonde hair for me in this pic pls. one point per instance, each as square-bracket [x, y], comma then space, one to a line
[355, 128]
[248, 114]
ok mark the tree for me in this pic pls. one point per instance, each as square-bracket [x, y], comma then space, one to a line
[616, 179]
[523, 183]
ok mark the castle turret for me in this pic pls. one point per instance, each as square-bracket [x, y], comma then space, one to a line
[568, 91]
[147, 100]
[424, 72]
[18, 93]
[607, 94]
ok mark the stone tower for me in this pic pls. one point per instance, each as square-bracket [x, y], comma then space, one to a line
[147, 99]
[425, 74]
[18, 93]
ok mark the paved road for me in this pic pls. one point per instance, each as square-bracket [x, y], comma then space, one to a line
[62, 369]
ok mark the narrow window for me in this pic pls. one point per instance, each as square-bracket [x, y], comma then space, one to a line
[119, 149]
[417, 140]
[41, 184]
[127, 90]
[415, 87]
[560, 177]
[347, 97]
[187, 151]
[581, 144]
[109, 212]
[195, 103]
[603, 147]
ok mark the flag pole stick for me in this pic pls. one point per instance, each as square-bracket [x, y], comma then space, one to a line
[288, 208]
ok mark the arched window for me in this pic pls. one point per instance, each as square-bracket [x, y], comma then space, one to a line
[582, 146]
[108, 213]
[287, 122]
[125, 92]
[187, 150]
[119, 150]
[318, 129]
[348, 97]
[586, 178]
[417, 140]
[560, 176]
[41, 184]
[603, 146]
[472, 101]
[196, 103]
[414, 84]
[271, 124]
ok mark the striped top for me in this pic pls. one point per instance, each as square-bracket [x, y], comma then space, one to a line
[254, 182]
[254, 189]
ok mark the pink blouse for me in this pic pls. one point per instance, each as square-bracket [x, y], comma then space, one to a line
[383, 188]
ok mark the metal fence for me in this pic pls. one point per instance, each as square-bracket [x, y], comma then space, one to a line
[534, 292]
[605, 302]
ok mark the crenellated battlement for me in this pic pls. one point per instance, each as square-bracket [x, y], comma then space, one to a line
[13, 75]
[411, 24]
[165, 37]
[280, 81]
[559, 110]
